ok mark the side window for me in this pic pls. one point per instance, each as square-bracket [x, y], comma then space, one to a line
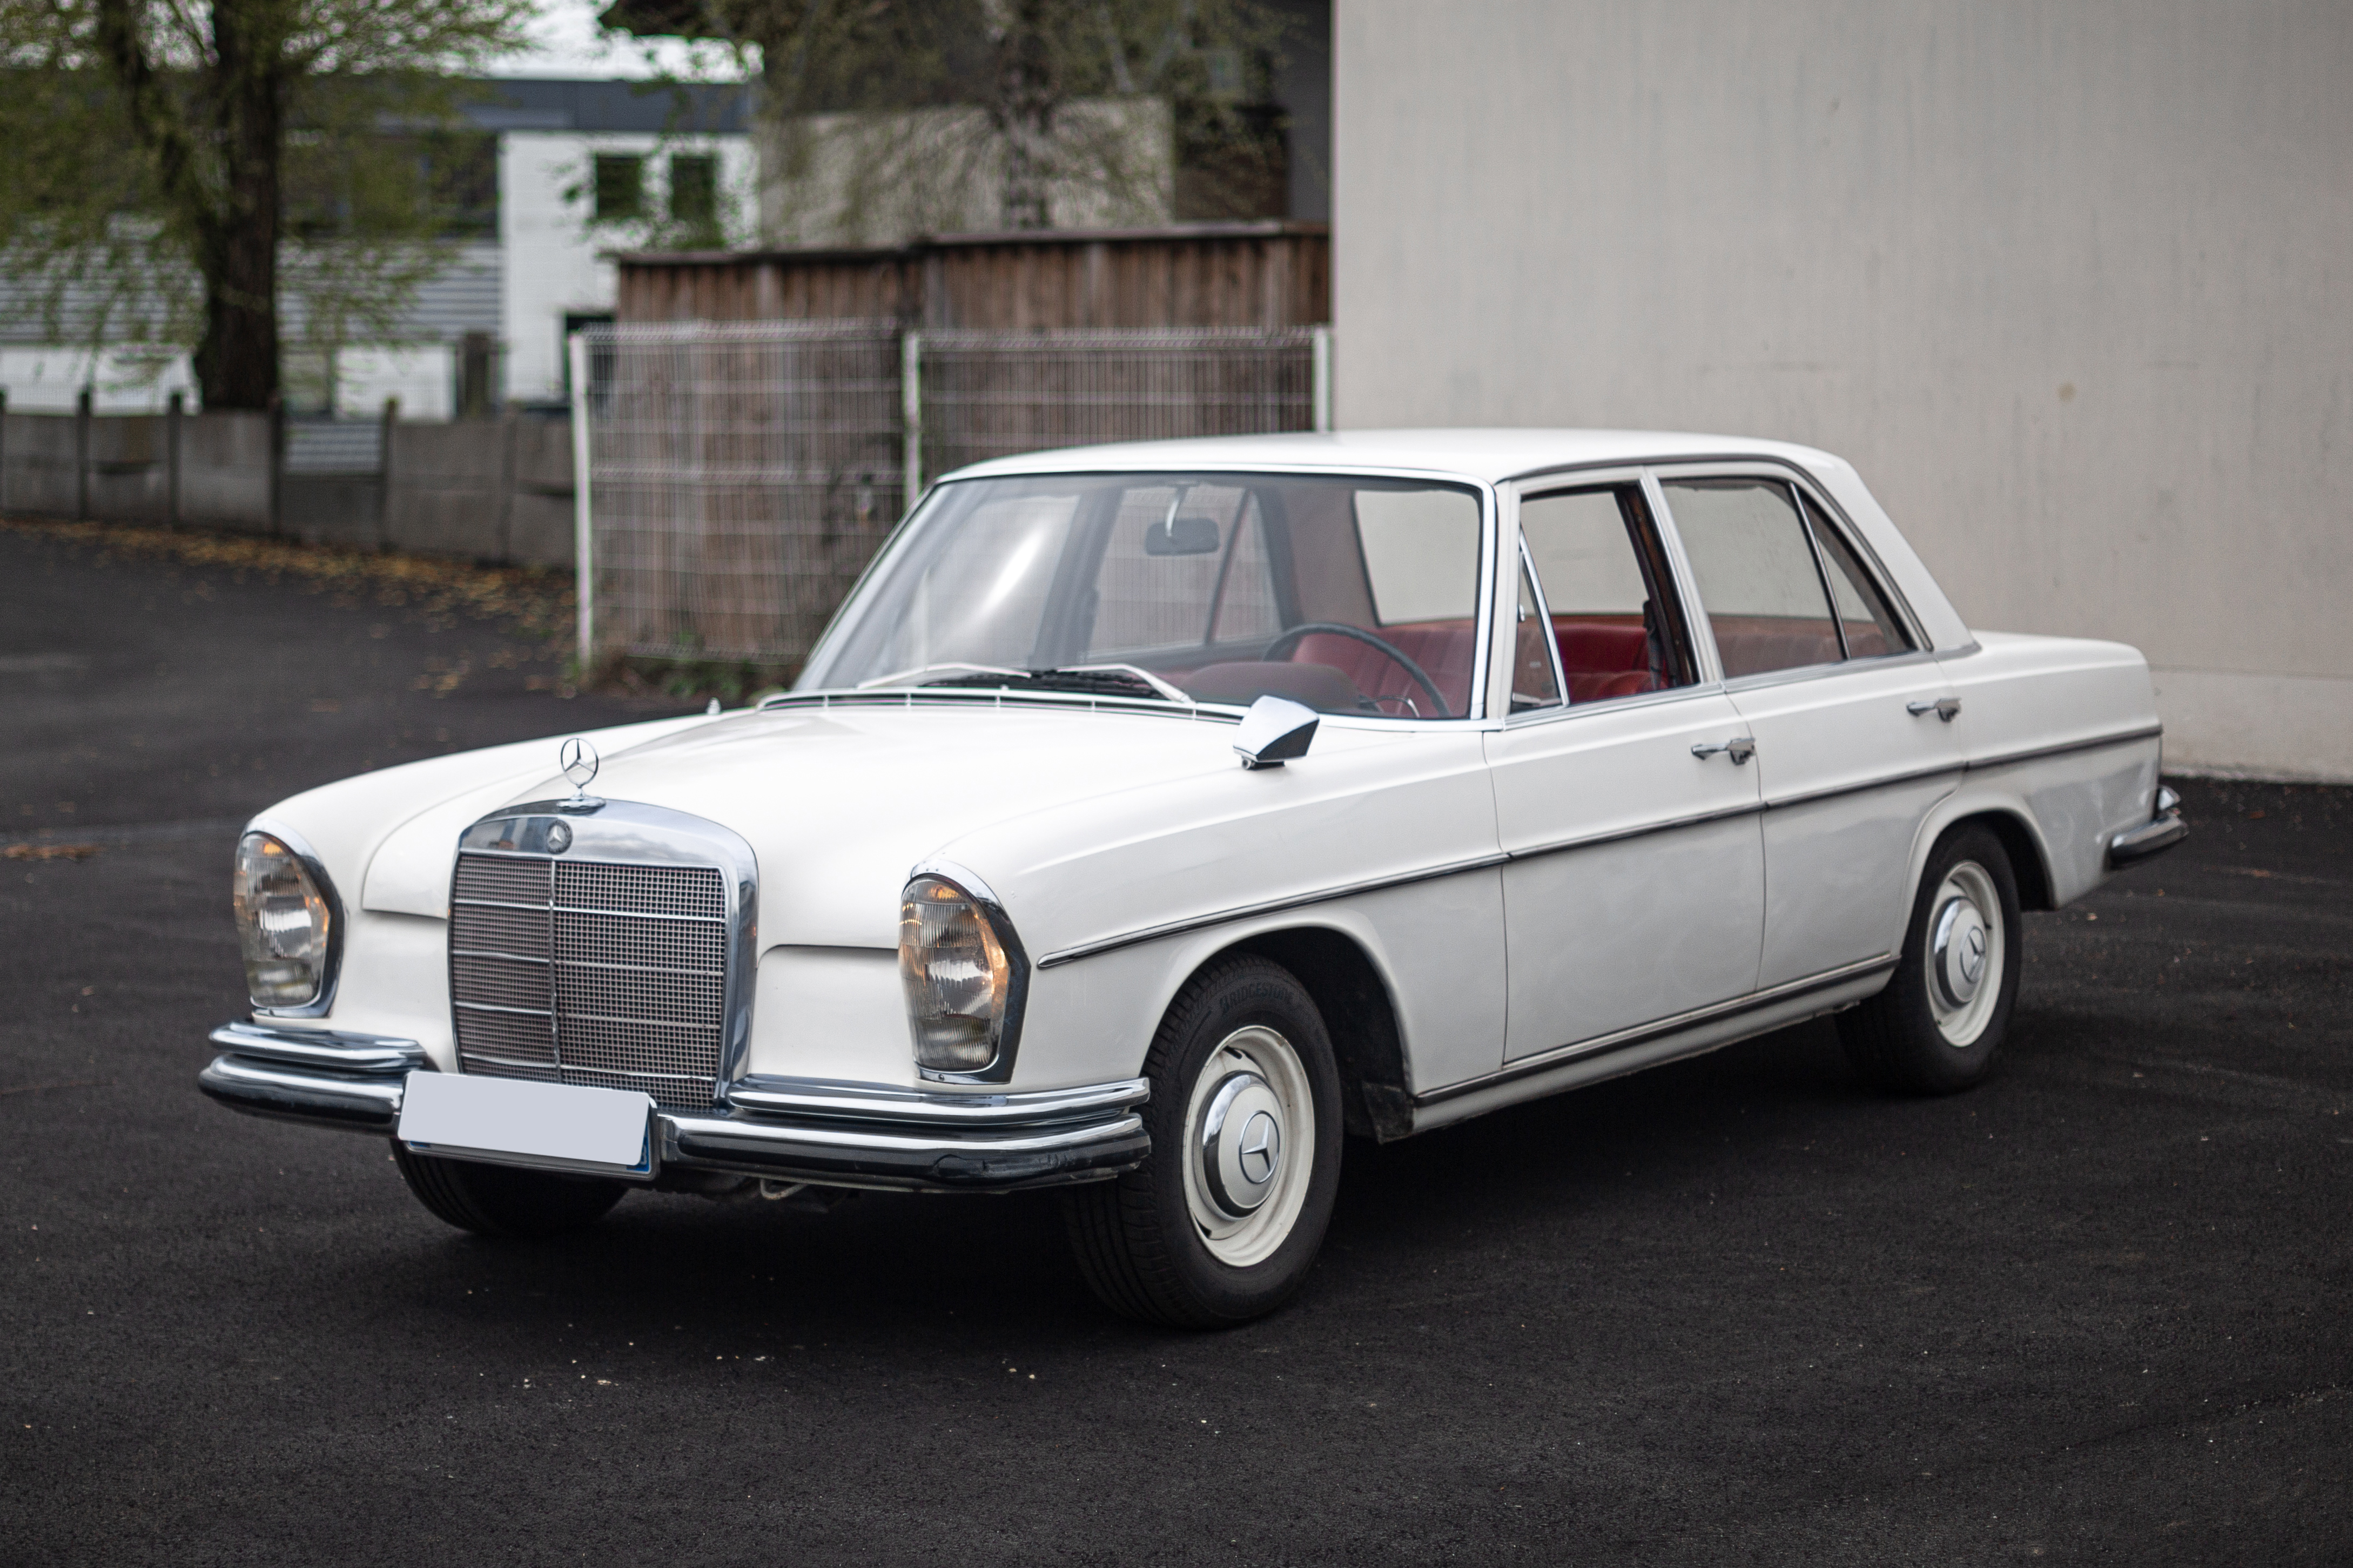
[1755, 568]
[1871, 629]
[1598, 563]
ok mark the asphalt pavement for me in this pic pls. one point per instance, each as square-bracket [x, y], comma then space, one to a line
[1737, 1310]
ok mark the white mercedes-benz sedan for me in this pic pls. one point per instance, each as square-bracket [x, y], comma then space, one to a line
[1153, 816]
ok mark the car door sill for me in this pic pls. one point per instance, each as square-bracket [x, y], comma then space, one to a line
[1639, 1034]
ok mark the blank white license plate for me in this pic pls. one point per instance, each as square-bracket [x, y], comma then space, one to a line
[558, 1124]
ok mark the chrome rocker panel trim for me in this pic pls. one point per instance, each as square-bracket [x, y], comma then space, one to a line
[2162, 832]
[797, 1130]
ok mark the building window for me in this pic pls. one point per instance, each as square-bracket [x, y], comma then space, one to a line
[620, 181]
[695, 190]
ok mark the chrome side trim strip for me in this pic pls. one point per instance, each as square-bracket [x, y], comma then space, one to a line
[1379, 884]
[1267, 907]
[1889, 781]
[1602, 1045]
[1619, 835]
[2147, 733]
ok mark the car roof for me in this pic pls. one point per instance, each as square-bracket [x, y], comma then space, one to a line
[1481, 454]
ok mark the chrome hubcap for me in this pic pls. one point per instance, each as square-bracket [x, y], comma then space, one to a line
[1250, 1108]
[1960, 951]
[1241, 1143]
[1965, 953]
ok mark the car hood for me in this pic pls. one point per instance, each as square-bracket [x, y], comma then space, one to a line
[837, 803]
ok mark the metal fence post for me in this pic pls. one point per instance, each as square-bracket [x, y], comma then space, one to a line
[175, 417]
[276, 465]
[1321, 395]
[81, 453]
[390, 421]
[584, 544]
[911, 417]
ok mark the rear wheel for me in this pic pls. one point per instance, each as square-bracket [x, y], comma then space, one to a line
[1221, 1223]
[1936, 1026]
[501, 1201]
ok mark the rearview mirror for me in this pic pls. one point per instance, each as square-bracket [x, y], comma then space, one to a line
[1185, 534]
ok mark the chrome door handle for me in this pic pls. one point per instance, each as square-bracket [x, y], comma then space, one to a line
[1943, 708]
[1740, 748]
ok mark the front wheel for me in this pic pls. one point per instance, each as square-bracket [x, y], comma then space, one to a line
[501, 1201]
[1935, 1027]
[1221, 1223]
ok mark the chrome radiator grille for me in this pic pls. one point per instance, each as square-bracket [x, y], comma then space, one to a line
[591, 972]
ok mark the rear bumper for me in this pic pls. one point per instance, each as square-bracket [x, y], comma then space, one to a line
[792, 1130]
[2164, 829]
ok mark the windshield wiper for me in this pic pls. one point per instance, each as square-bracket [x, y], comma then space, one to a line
[915, 676]
[1093, 680]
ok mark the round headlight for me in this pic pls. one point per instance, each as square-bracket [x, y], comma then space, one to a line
[962, 977]
[285, 922]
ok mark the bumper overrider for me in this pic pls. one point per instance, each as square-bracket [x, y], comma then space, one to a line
[790, 1130]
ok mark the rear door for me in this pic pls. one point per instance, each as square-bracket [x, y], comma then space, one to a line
[1635, 888]
[1853, 747]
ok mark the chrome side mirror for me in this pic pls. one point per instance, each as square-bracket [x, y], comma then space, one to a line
[1274, 731]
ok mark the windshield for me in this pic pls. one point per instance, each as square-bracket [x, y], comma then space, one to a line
[1351, 596]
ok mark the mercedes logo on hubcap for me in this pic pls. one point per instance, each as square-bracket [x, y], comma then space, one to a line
[1260, 1147]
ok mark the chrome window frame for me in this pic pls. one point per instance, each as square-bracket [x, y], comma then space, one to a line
[1808, 494]
[330, 976]
[1707, 670]
[631, 833]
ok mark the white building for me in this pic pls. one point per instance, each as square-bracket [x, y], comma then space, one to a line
[2068, 282]
[582, 167]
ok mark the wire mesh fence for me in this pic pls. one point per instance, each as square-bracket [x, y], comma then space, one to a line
[992, 394]
[742, 475]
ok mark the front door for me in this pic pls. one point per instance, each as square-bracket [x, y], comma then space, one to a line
[1636, 885]
[1854, 730]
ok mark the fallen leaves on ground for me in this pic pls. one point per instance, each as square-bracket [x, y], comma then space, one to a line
[49, 851]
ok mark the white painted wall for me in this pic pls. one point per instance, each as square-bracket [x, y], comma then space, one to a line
[550, 251]
[2072, 284]
[48, 379]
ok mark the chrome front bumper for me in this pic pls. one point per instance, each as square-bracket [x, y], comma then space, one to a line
[2163, 830]
[792, 1130]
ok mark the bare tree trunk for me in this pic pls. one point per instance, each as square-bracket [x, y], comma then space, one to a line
[227, 197]
[1022, 109]
[237, 360]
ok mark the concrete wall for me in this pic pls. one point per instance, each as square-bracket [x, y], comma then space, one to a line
[488, 489]
[2072, 284]
[224, 468]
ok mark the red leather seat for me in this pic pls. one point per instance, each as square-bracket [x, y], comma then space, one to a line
[1604, 657]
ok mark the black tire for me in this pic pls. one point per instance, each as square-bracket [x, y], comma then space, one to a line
[501, 1201]
[1140, 1238]
[1902, 1039]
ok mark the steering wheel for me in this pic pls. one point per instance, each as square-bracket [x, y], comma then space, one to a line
[1285, 641]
